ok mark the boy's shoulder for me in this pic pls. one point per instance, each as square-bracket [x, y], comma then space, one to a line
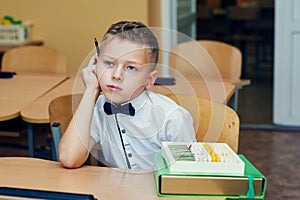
[163, 100]
[166, 104]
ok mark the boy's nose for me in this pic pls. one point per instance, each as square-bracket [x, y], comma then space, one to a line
[118, 73]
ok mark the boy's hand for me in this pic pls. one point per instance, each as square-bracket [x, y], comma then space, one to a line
[89, 75]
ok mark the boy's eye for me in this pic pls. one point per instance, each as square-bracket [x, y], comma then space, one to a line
[109, 63]
[131, 68]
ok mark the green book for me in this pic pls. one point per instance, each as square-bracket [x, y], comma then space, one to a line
[250, 185]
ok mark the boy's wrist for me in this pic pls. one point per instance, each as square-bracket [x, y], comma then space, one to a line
[92, 91]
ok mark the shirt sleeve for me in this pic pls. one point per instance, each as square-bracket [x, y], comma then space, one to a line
[94, 132]
[97, 118]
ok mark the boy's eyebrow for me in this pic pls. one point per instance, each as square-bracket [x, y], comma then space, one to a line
[128, 61]
[108, 56]
[135, 62]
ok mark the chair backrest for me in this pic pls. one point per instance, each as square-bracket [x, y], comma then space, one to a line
[208, 59]
[61, 111]
[192, 61]
[228, 58]
[213, 122]
[34, 59]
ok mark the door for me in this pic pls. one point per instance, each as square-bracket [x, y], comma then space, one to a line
[179, 23]
[185, 17]
[286, 103]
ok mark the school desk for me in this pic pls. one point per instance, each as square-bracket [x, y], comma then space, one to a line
[21, 90]
[101, 182]
[215, 90]
[37, 111]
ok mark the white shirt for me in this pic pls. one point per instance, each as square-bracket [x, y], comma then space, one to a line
[157, 118]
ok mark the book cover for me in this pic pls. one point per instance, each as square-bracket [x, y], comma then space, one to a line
[252, 184]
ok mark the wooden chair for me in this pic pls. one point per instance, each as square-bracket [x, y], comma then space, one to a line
[61, 110]
[213, 122]
[209, 60]
[34, 59]
[192, 61]
[228, 59]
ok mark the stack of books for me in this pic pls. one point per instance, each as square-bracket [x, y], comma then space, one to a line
[208, 170]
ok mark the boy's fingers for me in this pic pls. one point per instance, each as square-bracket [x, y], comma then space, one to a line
[96, 59]
[93, 60]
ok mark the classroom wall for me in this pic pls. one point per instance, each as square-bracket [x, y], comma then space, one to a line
[69, 26]
[155, 13]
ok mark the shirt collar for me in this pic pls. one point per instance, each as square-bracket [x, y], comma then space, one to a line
[139, 101]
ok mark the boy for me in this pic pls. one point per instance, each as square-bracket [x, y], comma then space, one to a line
[128, 120]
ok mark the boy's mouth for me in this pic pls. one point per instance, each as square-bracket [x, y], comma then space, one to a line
[113, 88]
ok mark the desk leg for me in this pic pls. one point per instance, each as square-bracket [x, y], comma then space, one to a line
[233, 101]
[243, 46]
[31, 140]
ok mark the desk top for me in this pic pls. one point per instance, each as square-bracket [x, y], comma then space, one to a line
[37, 111]
[210, 89]
[102, 182]
[22, 89]
[5, 47]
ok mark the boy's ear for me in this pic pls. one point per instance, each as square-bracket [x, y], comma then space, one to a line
[152, 78]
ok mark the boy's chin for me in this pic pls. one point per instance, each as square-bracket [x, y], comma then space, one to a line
[116, 100]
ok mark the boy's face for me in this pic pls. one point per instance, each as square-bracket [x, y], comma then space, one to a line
[124, 70]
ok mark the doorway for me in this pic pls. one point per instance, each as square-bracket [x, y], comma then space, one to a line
[258, 96]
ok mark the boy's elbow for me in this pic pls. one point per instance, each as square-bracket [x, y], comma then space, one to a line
[69, 161]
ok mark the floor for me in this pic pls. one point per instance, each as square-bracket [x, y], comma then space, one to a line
[255, 101]
[275, 154]
[257, 98]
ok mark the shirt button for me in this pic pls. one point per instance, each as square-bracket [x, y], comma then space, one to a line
[123, 131]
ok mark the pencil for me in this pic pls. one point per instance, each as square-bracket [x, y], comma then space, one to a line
[97, 46]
